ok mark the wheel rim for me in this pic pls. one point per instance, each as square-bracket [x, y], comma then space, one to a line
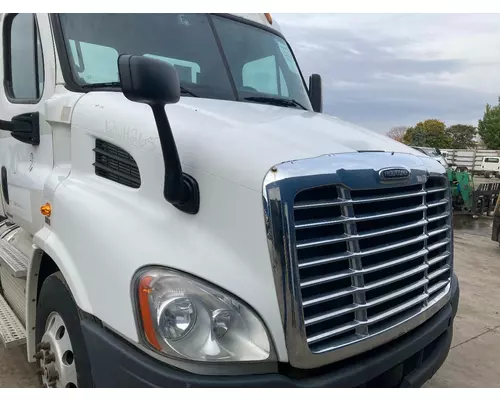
[56, 356]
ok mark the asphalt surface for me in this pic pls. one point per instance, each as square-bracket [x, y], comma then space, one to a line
[474, 359]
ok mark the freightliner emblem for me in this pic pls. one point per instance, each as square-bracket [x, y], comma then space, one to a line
[394, 174]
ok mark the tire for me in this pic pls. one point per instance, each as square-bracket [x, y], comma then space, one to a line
[56, 300]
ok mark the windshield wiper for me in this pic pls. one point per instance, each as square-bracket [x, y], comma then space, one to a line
[185, 91]
[118, 84]
[276, 101]
[102, 84]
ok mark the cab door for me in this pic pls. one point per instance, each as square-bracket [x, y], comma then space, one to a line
[28, 80]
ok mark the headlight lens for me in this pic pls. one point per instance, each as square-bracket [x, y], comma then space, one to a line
[182, 316]
[176, 318]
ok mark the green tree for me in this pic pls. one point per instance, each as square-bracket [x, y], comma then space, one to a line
[462, 136]
[489, 127]
[429, 133]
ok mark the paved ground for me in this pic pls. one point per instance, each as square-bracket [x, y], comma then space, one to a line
[474, 359]
[15, 371]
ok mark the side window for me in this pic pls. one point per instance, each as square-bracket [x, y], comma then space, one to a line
[24, 74]
[96, 57]
[261, 75]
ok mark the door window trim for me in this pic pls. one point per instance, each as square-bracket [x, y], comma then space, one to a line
[7, 64]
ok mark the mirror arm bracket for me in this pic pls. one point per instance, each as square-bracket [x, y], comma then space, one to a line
[156, 83]
[179, 189]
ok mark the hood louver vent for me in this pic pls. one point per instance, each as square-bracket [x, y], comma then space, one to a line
[115, 164]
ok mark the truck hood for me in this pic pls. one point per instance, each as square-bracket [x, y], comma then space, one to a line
[236, 141]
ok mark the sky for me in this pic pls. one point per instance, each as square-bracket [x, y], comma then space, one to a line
[386, 70]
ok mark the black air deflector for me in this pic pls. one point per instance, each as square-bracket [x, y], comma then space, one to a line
[115, 164]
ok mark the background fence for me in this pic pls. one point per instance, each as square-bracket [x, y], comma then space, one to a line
[470, 158]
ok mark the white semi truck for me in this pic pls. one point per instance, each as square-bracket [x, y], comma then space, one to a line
[178, 211]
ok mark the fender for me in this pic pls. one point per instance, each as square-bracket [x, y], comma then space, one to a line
[47, 242]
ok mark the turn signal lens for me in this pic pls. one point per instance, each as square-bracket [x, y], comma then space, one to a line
[147, 321]
[46, 210]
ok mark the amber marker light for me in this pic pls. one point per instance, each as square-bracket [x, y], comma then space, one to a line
[46, 210]
[269, 18]
[147, 320]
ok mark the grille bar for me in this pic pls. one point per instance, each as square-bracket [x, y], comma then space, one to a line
[438, 217]
[369, 259]
[442, 257]
[347, 255]
[333, 332]
[397, 293]
[441, 189]
[332, 314]
[328, 297]
[437, 203]
[393, 311]
[342, 220]
[313, 243]
[395, 278]
[397, 261]
[328, 278]
[438, 244]
[373, 320]
[314, 263]
[377, 301]
[438, 231]
[437, 287]
[336, 202]
[438, 272]
[396, 245]
[402, 260]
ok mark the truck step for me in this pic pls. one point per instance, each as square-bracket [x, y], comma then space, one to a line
[12, 333]
[13, 260]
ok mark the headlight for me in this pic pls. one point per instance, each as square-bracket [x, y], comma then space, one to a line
[184, 317]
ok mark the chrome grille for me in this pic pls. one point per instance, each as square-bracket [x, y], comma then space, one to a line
[369, 259]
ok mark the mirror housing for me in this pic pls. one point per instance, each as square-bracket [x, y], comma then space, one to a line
[148, 80]
[24, 127]
[316, 92]
[156, 83]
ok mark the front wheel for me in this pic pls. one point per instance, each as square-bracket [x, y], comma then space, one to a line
[61, 353]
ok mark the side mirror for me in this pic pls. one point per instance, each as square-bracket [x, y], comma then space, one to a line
[156, 83]
[24, 127]
[316, 92]
[148, 80]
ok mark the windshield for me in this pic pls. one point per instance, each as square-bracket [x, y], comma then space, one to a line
[215, 57]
